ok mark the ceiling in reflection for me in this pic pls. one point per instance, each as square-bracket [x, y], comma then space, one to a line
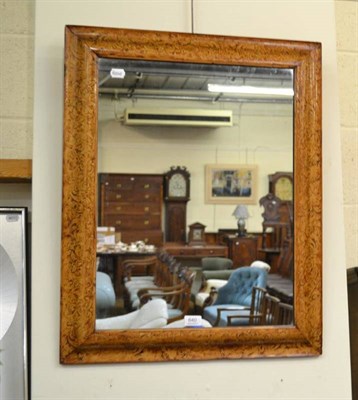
[162, 80]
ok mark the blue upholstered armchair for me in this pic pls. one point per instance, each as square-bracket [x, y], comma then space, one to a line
[236, 294]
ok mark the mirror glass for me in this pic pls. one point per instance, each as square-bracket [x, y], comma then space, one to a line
[231, 129]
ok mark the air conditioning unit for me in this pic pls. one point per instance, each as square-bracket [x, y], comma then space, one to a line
[177, 117]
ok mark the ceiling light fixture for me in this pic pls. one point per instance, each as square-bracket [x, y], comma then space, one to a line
[212, 87]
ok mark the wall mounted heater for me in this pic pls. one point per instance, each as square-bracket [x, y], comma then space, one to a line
[177, 117]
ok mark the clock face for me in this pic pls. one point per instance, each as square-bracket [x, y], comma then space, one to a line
[197, 234]
[177, 186]
[283, 189]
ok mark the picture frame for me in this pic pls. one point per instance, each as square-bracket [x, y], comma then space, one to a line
[231, 183]
[80, 342]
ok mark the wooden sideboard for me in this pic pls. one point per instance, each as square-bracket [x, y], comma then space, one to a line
[132, 204]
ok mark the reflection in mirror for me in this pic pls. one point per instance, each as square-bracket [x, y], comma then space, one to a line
[228, 132]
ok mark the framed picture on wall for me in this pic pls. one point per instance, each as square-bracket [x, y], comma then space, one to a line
[231, 184]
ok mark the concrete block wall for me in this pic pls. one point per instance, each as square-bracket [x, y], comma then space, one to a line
[347, 58]
[16, 78]
[16, 96]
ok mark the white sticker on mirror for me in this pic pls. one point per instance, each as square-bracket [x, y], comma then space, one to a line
[193, 321]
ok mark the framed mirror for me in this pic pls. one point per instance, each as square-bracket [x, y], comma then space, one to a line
[117, 69]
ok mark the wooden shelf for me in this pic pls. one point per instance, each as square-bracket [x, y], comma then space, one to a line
[15, 171]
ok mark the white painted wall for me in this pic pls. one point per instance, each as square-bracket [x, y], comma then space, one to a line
[324, 377]
[261, 135]
[347, 59]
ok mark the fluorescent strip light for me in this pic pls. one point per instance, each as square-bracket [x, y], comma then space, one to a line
[250, 90]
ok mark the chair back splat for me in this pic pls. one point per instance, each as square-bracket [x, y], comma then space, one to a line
[271, 309]
[285, 314]
[255, 315]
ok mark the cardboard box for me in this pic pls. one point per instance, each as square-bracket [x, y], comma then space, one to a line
[106, 235]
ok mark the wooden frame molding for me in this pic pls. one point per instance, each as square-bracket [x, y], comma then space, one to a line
[79, 342]
[13, 170]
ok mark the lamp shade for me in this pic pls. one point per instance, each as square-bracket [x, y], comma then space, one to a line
[241, 212]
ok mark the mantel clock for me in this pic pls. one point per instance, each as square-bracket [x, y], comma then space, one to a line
[197, 234]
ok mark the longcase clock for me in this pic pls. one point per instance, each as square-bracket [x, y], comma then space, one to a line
[176, 197]
[281, 185]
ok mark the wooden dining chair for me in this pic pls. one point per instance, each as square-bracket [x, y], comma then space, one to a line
[271, 309]
[285, 314]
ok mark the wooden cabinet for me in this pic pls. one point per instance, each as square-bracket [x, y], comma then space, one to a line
[242, 250]
[133, 204]
[175, 221]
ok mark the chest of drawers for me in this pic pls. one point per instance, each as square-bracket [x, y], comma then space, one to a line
[132, 203]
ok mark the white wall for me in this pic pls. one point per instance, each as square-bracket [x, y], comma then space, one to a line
[261, 135]
[347, 58]
[324, 377]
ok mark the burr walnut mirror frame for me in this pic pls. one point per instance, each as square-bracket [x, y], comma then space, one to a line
[79, 341]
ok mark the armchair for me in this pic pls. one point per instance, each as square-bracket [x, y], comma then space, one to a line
[253, 315]
[264, 310]
[285, 314]
[169, 280]
[202, 296]
[236, 293]
[216, 263]
[223, 274]
[177, 297]
[138, 270]
[216, 268]
[152, 315]
[164, 269]
[105, 296]
[272, 305]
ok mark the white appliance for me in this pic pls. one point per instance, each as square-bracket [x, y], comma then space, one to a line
[177, 117]
[14, 311]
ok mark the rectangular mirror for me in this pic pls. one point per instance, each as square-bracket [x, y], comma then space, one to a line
[210, 129]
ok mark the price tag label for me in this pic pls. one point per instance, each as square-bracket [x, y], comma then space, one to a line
[193, 321]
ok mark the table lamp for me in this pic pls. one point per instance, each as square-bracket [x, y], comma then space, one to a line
[241, 213]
